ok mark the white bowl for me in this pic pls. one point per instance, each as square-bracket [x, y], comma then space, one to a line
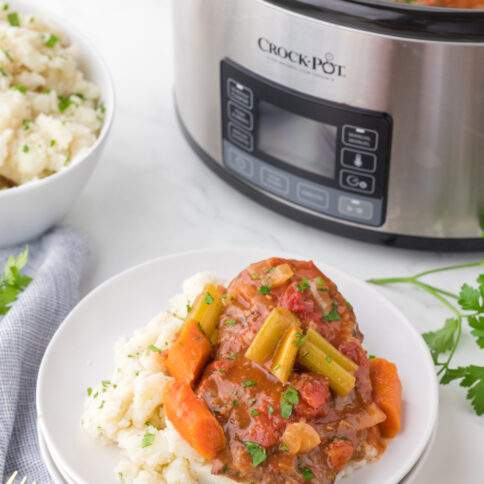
[29, 210]
[81, 354]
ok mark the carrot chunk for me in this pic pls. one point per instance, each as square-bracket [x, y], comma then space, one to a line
[188, 354]
[387, 394]
[193, 420]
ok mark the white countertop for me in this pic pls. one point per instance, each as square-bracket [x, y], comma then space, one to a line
[152, 196]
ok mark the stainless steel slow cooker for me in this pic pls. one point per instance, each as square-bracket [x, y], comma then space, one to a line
[365, 118]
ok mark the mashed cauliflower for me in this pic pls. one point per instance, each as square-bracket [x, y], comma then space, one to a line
[49, 112]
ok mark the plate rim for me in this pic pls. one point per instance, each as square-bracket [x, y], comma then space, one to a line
[237, 250]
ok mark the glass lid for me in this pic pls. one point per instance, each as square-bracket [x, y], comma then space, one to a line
[447, 20]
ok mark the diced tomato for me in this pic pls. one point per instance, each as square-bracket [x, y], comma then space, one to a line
[264, 430]
[300, 303]
[338, 453]
[314, 394]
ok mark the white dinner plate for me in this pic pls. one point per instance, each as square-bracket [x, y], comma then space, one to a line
[54, 471]
[81, 354]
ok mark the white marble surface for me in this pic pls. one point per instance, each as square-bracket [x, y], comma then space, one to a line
[151, 196]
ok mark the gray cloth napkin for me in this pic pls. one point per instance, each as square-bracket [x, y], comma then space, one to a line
[56, 264]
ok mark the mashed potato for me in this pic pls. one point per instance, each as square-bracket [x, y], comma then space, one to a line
[127, 410]
[49, 112]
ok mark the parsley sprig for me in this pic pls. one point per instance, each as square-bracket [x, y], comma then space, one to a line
[13, 282]
[466, 306]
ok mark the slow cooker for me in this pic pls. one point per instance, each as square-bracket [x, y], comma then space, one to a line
[364, 118]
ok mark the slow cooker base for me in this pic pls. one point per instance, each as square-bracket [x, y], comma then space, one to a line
[383, 238]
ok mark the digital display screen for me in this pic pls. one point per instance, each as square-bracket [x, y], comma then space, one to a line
[302, 142]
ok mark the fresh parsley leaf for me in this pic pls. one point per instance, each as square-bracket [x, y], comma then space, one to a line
[89, 391]
[265, 290]
[333, 315]
[303, 284]
[64, 103]
[290, 397]
[300, 339]
[20, 88]
[13, 19]
[307, 473]
[230, 322]
[442, 340]
[320, 284]
[472, 377]
[51, 41]
[13, 282]
[257, 452]
[208, 298]
[477, 323]
[253, 412]
[469, 298]
[148, 439]
[249, 383]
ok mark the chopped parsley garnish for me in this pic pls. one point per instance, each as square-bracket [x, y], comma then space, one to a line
[102, 405]
[303, 284]
[253, 412]
[105, 383]
[52, 142]
[290, 397]
[2, 72]
[270, 410]
[232, 356]
[300, 339]
[25, 148]
[51, 41]
[154, 348]
[257, 452]
[20, 88]
[208, 298]
[189, 308]
[249, 383]
[320, 284]
[26, 124]
[5, 7]
[13, 19]
[307, 473]
[333, 315]
[148, 439]
[371, 357]
[225, 468]
[265, 290]
[235, 403]
[89, 391]
[64, 103]
[230, 322]
[328, 359]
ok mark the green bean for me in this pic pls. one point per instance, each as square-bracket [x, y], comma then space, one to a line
[312, 358]
[269, 335]
[286, 353]
[324, 345]
[207, 309]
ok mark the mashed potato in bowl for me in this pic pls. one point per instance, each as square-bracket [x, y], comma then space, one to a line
[49, 112]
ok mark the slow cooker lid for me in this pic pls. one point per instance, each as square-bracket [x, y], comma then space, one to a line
[393, 18]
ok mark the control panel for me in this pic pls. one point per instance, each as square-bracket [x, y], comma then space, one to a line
[329, 158]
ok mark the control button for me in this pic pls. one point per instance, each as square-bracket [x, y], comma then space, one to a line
[274, 181]
[240, 94]
[357, 182]
[240, 164]
[311, 196]
[366, 139]
[241, 138]
[358, 160]
[355, 208]
[241, 116]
